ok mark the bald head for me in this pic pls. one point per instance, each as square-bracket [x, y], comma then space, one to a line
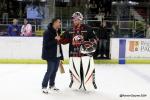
[15, 21]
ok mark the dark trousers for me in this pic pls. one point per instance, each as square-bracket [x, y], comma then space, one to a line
[103, 43]
[52, 67]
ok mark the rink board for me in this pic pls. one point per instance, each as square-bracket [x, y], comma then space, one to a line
[27, 50]
[133, 49]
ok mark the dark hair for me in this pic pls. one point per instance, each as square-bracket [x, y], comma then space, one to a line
[55, 19]
[26, 20]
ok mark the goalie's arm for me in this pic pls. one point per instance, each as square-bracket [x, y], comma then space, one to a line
[65, 38]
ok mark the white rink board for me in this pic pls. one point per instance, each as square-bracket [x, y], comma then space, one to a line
[114, 48]
[138, 48]
[23, 48]
[135, 48]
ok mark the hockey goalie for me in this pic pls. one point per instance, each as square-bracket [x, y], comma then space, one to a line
[82, 45]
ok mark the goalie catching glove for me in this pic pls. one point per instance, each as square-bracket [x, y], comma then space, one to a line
[87, 47]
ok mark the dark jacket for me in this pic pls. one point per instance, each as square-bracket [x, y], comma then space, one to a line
[11, 31]
[49, 50]
[103, 33]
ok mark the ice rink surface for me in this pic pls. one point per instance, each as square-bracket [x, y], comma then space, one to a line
[23, 82]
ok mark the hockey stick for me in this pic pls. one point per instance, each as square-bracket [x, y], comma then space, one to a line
[61, 67]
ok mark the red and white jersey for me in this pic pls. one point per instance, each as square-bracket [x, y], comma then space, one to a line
[75, 37]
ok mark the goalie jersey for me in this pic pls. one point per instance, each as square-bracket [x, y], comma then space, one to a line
[82, 34]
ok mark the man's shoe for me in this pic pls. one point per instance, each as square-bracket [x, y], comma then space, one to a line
[44, 90]
[53, 88]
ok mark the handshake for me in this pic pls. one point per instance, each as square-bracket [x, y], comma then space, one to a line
[58, 37]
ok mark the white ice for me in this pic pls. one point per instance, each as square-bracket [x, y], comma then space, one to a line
[23, 82]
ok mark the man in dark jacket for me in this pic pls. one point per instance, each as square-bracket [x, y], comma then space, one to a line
[52, 53]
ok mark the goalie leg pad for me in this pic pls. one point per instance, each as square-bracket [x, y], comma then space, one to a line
[82, 72]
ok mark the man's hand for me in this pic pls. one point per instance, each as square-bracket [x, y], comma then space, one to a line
[22, 34]
[14, 30]
[57, 38]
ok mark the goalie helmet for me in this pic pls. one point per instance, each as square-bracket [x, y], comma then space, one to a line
[87, 47]
[77, 15]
